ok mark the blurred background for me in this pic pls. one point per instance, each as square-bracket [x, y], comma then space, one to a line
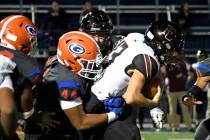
[127, 16]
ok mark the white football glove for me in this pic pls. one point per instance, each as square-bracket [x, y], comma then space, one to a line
[158, 117]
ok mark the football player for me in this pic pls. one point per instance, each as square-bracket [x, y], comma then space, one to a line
[201, 109]
[203, 130]
[98, 24]
[132, 63]
[65, 83]
[18, 72]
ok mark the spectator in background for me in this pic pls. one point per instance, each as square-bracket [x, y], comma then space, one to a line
[183, 19]
[176, 77]
[55, 24]
[56, 17]
[88, 6]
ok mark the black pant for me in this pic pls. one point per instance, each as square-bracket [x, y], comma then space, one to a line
[124, 128]
[203, 130]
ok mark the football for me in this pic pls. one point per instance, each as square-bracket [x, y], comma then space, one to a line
[151, 87]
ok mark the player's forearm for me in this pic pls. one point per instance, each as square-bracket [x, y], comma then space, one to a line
[9, 122]
[139, 99]
[202, 81]
[8, 115]
[26, 99]
[91, 121]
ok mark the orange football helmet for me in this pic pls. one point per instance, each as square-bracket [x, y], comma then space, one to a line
[18, 32]
[79, 51]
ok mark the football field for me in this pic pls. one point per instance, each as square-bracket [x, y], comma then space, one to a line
[160, 135]
[167, 135]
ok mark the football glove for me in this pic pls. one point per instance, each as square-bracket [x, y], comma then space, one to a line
[114, 107]
[114, 102]
[157, 117]
[190, 98]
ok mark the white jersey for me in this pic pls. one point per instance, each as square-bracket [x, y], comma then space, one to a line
[115, 78]
[6, 67]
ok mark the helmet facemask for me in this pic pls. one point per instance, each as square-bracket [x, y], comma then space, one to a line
[90, 68]
[105, 44]
[31, 47]
[168, 56]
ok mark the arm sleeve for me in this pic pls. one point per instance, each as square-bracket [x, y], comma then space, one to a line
[69, 94]
[145, 64]
[70, 104]
[69, 98]
[6, 82]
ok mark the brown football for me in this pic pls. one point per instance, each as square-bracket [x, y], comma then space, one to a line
[151, 87]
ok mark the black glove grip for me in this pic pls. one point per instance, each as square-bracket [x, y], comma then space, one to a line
[195, 91]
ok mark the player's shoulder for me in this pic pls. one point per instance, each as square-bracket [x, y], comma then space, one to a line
[135, 40]
[23, 62]
[58, 72]
[145, 64]
[135, 37]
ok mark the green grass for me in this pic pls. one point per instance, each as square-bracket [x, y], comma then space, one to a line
[167, 135]
[21, 136]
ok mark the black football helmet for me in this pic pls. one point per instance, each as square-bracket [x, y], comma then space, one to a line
[97, 22]
[201, 55]
[164, 38]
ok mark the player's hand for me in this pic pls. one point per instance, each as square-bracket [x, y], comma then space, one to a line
[46, 121]
[157, 97]
[158, 117]
[190, 100]
[114, 102]
[115, 105]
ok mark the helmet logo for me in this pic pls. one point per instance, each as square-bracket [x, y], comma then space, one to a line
[150, 35]
[77, 49]
[169, 31]
[31, 30]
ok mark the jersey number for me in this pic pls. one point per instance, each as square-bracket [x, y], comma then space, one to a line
[120, 47]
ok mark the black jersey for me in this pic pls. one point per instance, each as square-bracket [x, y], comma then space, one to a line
[70, 85]
[59, 85]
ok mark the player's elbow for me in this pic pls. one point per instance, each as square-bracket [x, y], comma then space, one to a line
[129, 99]
[81, 126]
[86, 122]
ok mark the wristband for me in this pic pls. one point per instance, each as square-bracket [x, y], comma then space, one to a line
[28, 114]
[111, 117]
